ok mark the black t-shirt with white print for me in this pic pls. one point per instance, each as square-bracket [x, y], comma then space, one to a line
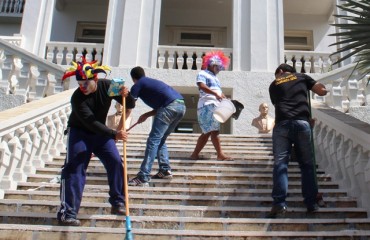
[288, 94]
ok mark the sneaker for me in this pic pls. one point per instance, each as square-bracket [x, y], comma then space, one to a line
[136, 181]
[69, 222]
[163, 175]
[313, 208]
[277, 211]
[119, 209]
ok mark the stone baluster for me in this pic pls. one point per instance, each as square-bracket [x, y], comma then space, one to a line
[353, 90]
[171, 60]
[44, 138]
[52, 86]
[289, 58]
[336, 94]
[4, 163]
[326, 63]
[20, 175]
[99, 52]
[4, 83]
[40, 84]
[79, 52]
[69, 58]
[298, 65]
[34, 76]
[316, 64]
[319, 135]
[360, 162]
[61, 127]
[36, 142]
[53, 123]
[16, 67]
[15, 149]
[48, 123]
[308, 66]
[189, 60]
[59, 55]
[23, 79]
[346, 152]
[338, 169]
[180, 59]
[161, 58]
[199, 60]
[50, 53]
[350, 172]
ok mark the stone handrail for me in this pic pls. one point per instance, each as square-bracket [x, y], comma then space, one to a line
[22, 73]
[342, 145]
[347, 89]
[30, 135]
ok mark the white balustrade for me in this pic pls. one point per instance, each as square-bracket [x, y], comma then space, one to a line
[308, 61]
[30, 136]
[342, 147]
[63, 53]
[190, 58]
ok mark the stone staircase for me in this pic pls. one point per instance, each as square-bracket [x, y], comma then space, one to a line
[206, 199]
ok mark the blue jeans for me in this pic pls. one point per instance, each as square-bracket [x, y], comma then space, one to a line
[286, 133]
[165, 121]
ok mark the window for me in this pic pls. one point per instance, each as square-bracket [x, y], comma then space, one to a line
[298, 40]
[196, 36]
[91, 32]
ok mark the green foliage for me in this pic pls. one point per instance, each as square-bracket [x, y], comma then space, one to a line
[354, 35]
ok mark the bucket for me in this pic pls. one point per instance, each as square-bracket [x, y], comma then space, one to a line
[224, 110]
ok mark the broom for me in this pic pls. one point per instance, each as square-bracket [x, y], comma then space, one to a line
[129, 235]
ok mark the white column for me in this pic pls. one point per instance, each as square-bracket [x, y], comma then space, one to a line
[132, 33]
[258, 35]
[36, 25]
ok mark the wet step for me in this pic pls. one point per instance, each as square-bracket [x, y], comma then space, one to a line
[191, 191]
[43, 232]
[12, 205]
[190, 223]
[255, 181]
[141, 197]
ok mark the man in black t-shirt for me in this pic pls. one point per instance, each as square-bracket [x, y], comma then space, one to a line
[87, 135]
[288, 93]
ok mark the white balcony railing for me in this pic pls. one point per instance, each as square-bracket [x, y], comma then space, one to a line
[177, 57]
[308, 61]
[12, 7]
[63, 53]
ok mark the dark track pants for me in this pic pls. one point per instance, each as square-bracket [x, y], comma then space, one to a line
[81, 145]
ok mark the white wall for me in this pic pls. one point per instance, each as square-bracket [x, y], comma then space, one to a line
[64, 22]
[318, 24]
[9, 29]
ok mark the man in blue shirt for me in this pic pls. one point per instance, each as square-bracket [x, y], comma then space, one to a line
[168, 109]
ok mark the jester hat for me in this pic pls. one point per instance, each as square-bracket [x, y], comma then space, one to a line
[215, 58]
[84, 70]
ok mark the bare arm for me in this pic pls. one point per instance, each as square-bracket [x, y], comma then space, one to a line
[319, 89]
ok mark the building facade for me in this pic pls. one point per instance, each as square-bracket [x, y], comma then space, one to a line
[169, 37]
